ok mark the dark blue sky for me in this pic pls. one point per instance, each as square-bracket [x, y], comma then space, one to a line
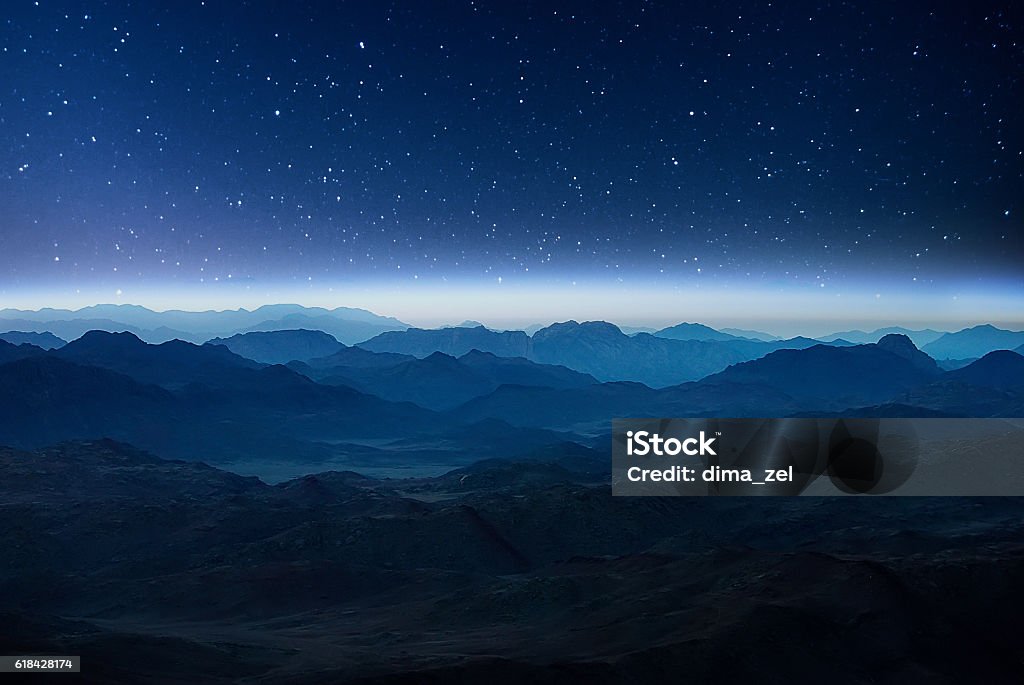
[177, 146]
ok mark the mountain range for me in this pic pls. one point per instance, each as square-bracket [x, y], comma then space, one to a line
[46, 340]
[417, 512]
[597, 348]
[281, 347]
[972, 343]
[200, 402]
[188, 400]
[919, 337]
[344, 323]
[441, 381]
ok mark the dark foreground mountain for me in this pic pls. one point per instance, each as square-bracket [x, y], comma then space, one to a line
[990, 386]
[194, 402]
[274, 414]
[173, 364]
[172, 572]
[10, 352]
[1001, 369]
[205, 402]
[44, 398]
[281, 347]
[838, 377]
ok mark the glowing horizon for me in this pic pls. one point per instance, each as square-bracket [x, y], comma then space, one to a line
[778, 310]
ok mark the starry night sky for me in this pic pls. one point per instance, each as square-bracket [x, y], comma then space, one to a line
[774, 147]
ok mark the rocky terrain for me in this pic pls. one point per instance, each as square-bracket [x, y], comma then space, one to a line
[505, 572]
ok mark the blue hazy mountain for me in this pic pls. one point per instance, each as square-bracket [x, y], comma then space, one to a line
[603, 351]
[344, 330]
[953, 364]
[694, 331]
[281, 347]
[75, 328]
[596, 348]
[346, 324]
[349, 357]
[747, 333]
[190, 400]
[441, 381]
[973, 343]
[519, 371]
[784, 382]
[46, 340]
[438, 381]
[920, 338]
[454, 341]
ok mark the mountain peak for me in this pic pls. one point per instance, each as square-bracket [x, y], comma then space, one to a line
[902, 346]
[108, 339]
[997, 369]
[693, 331]
[897, 343]
[590, 326]
[440, 358]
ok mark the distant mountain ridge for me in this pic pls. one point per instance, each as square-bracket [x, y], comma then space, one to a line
[441, 381]
[46, 340]
[347, 324]
[888, 378]
[205, 401]
[694, 331]
[920, 338]
[974, 342]
[597, 348]
[454, 341]
[280, 347]
[747, 333]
